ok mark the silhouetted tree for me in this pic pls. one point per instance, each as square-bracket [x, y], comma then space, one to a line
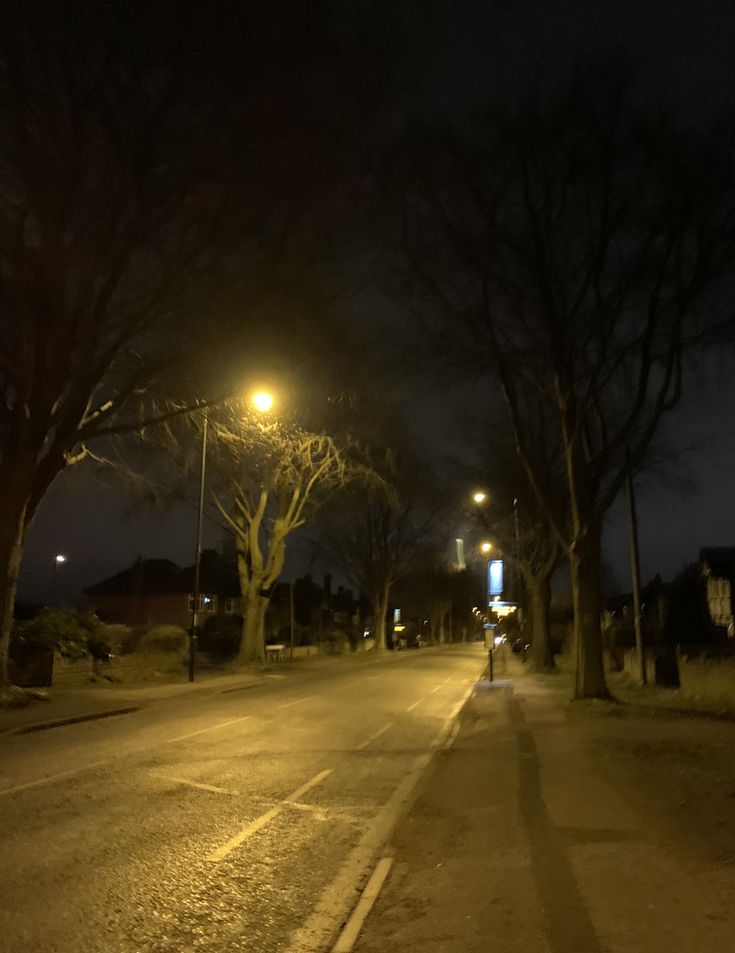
[572, 243]
[162, 175]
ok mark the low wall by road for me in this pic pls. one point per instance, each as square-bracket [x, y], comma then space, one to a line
[709, 681]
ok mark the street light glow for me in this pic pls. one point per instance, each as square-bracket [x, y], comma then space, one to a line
[479, 496]
[486, 547]
[59, 558]
[262, 401]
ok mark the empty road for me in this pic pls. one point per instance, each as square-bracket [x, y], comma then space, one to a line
[234, 821]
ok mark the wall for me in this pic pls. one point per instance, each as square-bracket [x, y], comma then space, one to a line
[708, 681]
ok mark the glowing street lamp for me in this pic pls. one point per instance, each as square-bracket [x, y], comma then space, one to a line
[485, 548]
[479, 497]
[262, 401]
[59, 560]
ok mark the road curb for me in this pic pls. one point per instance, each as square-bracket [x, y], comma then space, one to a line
[68, 720]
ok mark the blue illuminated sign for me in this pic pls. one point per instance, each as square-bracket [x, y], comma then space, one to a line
[495, 577]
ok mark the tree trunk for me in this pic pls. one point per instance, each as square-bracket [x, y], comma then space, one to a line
[584, 560]
[539, 591]
[16, 489]
[584, 564]
[252, 642]
[380, 612]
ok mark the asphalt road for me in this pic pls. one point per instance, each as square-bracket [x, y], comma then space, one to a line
[235, 821]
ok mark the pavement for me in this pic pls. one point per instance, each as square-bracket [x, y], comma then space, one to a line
[557, 828]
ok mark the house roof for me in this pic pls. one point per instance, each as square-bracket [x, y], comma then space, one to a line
[163, 577]
[720, 560]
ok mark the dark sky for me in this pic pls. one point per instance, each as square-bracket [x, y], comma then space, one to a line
[477, 47]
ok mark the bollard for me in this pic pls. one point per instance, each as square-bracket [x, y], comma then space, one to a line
[490, 665]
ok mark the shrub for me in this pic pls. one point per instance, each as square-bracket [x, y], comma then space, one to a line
[73, 635]
[121, 639]
[163, 638]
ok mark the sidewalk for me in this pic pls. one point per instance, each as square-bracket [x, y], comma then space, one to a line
[553, 829]
[64, 706]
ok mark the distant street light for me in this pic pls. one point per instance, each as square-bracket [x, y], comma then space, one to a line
[486, 548]
[262, 401]
[479, 497]
[59, 560]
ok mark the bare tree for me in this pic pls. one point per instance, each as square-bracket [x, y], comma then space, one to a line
[157, 185]
[573, 244]
[377, 534]
[517, 519]
[272, 478]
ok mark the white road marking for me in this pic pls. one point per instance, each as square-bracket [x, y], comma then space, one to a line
[374, 736]
[334, 903]
[260, 822]
[203, 731]
[51, 778]
[199, 785]
[297, 702]
[435, 690]
[352, 928]
[452, 736]
[317, 779]
[415, 704]
[318, 812]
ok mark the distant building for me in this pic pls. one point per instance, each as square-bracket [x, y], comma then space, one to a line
[717, 567]
[158, 592]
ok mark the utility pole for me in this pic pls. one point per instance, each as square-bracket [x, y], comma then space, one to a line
[292, 616]
[198, 552]
[635, 570]
[518, 581]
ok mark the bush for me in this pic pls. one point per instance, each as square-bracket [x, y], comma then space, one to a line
[220, 636]
[163, 638]
[122, 639]
[73, 635]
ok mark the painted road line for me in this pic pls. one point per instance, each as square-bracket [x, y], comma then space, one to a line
[415, 704]
[203, 731]
[260, 822]
[51, 778]
[317, 779]
[452, 736]
[297, 702]
[335, 902]
[374, 736]
[370, 894]
[435, 690]
[198, 785]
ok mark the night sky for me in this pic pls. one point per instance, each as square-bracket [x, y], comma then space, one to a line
[688, 48]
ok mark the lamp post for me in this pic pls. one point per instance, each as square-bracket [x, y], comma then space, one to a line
[262, 401]
[198, 551]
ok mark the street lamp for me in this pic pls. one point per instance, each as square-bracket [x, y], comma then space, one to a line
[479, 497]
[262, 401]
[59, 559]
[486, 548]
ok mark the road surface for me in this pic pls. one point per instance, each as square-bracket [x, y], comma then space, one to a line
[235, 821]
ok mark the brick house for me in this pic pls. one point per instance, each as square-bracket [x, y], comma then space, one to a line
[717, 567]
[158, 592]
